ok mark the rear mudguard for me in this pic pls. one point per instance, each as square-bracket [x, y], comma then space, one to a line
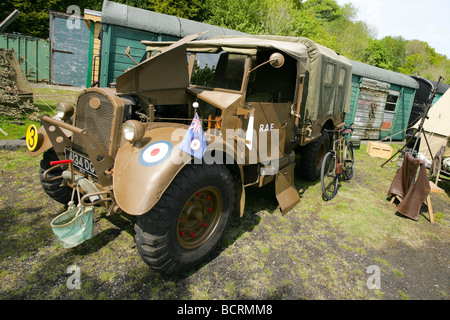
[143, 170]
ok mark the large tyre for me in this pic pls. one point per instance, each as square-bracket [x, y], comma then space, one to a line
[312, 156]
[186, 224]
[53, 188]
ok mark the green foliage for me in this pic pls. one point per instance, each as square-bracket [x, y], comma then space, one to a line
[188, 9]
[203, 76]
[377, 55]
[396, 51]
[414, 64]
[238, 15]
[325, 10]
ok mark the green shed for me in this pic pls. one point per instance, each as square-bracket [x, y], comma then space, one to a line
[381, 102]
[125, 26]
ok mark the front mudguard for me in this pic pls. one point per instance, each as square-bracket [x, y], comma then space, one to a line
[144, 170]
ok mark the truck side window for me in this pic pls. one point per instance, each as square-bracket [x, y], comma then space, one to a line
[342, 77]
[329, 73]
[340, 88]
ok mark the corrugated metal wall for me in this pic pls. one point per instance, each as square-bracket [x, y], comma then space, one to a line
[32, 53]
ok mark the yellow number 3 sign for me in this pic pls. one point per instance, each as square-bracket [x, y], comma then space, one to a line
[32, 138]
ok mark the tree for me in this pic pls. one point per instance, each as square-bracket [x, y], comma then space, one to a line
[376, 55]
[352, 38]
[278, 17]
[326, 10]
[414, 64]
[396, 51]
[423, 60]
[188, 9]
[239, 15]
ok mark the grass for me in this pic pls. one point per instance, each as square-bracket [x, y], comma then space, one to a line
[361, 209]
[43, 98]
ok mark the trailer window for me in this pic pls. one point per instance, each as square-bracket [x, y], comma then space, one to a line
[391, 102]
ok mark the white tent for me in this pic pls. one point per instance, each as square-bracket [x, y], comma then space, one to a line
[437, 127]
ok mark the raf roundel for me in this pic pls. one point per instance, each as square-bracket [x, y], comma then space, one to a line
[155, 153]
[195, 144]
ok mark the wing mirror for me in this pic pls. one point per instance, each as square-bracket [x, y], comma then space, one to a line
[276, 60]
[127, 52]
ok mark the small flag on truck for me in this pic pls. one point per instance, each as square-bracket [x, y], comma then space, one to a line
[194, 142]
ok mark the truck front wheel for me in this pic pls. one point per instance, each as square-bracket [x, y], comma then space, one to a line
[187, 223]
[53, 188]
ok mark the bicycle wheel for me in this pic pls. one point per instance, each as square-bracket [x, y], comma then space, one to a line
[328, 176]
[349, 161]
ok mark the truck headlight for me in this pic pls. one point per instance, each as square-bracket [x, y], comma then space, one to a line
[133, 130]
[64, 110]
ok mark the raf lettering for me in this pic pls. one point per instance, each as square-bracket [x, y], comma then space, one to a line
[267, 127]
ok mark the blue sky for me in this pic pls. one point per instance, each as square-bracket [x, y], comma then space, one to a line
[425, 20]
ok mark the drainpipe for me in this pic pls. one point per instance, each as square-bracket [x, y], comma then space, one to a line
[9, 19]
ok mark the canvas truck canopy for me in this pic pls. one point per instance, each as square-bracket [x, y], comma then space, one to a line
[245, 45]
[328, 74]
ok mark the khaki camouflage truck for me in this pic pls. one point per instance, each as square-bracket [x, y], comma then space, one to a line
[260, 101]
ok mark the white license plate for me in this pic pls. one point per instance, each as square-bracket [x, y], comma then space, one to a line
[83, 164]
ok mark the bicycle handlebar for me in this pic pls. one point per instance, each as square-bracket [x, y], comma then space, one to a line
[345, 129]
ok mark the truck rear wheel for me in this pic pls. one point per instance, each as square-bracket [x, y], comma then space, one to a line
[187, 223]
[312, 156]
[53, 188]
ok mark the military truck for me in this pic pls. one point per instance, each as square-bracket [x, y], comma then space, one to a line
[260, 101]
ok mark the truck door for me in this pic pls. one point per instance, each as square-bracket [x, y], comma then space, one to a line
[270, 93]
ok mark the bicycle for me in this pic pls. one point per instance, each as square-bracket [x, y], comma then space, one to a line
[338, 162]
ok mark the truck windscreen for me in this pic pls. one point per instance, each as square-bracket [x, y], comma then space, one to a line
[218, 70]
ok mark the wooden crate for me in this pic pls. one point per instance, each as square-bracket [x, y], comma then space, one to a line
[379, 150]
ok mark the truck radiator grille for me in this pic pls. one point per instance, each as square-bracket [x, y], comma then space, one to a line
[97, 120]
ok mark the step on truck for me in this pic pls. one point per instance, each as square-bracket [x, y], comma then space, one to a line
[253, 105]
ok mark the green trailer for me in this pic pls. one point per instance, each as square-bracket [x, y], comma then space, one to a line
[380, 104]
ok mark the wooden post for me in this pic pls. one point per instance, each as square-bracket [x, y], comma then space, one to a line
[430, 209]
